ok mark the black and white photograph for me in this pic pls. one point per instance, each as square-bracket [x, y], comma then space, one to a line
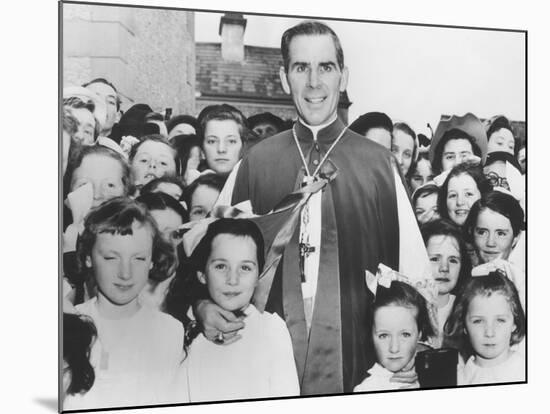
[260, 206]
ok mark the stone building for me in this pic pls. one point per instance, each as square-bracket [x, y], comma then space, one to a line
[148, 54]
[246, 77]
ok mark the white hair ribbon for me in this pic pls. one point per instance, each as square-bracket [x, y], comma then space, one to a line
[126, 144]
[385, 276]
[513, 273]
[197, 229]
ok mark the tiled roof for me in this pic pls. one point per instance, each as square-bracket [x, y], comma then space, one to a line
[257, 76]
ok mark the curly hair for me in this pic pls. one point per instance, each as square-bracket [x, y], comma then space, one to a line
[116, 217]
[485, 286]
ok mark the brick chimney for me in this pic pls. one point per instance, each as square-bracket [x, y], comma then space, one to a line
[232, 26]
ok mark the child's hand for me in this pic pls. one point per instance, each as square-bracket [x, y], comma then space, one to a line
[216, 321]
[408, 379]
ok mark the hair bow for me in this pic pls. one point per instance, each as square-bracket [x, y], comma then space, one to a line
[506, 269]
[111, 144]
[197, 229]
[385, 276]
[426, 287]
[126, 144]
[440, 179]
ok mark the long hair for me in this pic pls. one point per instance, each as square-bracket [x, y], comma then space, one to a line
[485, 286]
[444, 227]
[79, 334]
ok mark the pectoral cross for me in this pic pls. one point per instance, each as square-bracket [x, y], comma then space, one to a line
[305, 250]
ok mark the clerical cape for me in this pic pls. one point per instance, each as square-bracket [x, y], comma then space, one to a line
[359, 230]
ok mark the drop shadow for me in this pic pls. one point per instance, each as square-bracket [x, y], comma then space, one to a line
[49, 403]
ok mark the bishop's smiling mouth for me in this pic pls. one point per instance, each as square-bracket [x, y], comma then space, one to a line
[315, 100]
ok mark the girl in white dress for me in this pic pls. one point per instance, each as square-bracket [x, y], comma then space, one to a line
[138, 348]
[260, 364]
[486, 322]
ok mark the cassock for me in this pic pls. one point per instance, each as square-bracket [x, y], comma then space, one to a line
[359, 230]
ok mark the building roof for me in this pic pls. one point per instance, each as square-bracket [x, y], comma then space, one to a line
[257, 76]
[255, 79]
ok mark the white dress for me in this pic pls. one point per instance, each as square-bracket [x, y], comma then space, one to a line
[258, 365]
[135, 359]
[511, 370]
[378, 380]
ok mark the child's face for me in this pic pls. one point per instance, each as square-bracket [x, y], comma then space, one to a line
[422, 174]
[489, 324]
[493, 235]
[425, 209]
[231, 271]
[105, 175]
[402, 147]
[462, 192]
[445, 258]
[202, 201]
[395, 336]
[153, 160]
[222, 145]
[167, 221]
[121, 264]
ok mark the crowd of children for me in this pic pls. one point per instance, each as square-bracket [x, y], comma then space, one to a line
[132, 189]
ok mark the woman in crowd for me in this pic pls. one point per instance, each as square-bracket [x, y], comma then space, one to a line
[456, 140]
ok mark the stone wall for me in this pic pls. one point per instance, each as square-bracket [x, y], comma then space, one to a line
[148, 54]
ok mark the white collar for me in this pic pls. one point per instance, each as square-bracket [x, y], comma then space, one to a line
[316, 128]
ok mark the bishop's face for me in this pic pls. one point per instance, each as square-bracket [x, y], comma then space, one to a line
[314, 78]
